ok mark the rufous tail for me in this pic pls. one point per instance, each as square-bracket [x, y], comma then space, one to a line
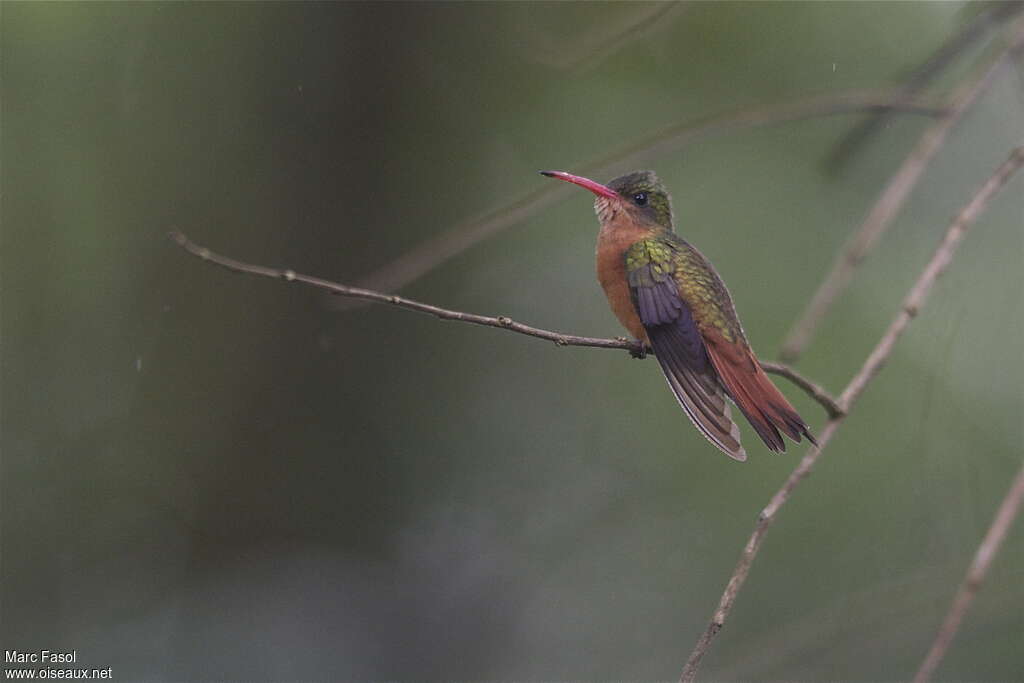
[755, 395]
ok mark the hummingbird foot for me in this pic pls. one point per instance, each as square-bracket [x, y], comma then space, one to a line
[640, 353]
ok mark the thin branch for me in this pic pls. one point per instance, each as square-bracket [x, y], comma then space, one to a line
[911, 306]
[936, 266]
[831, 406]
[739, 574]
[891, 201]
[587, 47]
[986, 552]
[975, 29]
[426, 256]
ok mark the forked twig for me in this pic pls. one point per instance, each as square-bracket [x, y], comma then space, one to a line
[891, 201]
[911, 306]
[831, 406]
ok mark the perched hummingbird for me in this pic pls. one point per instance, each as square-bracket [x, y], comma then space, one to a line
[667, 295]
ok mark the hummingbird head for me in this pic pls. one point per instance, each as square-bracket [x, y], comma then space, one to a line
[639, 194]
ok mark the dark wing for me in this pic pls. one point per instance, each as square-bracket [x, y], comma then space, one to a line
[678, 345]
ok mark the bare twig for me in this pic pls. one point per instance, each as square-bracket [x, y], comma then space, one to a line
[891, 201]
[739, 574]
[831, 406]
[436, 250]
[986, 552]
[975, 29]
[936, 266]
[587, 46]
[410, 304]
[911, 306]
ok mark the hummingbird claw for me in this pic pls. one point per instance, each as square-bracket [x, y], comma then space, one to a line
[640, 353]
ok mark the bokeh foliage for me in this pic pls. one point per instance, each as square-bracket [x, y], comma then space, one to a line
[208, 477]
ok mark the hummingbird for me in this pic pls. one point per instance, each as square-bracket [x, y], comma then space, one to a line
[669, 297]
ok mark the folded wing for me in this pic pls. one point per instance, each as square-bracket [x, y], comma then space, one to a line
[680, 349]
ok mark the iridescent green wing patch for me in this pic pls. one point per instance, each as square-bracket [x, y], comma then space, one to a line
[677, 343]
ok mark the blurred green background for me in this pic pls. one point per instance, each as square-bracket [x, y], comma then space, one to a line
[212, 477]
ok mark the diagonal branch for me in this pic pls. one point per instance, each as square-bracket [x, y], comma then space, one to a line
[831, 406]
[975, 577]
[892, 199]
[975, 29]
[936, 266]
[911, 306]
[426, 256]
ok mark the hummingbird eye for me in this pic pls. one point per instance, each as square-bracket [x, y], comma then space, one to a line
[640, 198]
